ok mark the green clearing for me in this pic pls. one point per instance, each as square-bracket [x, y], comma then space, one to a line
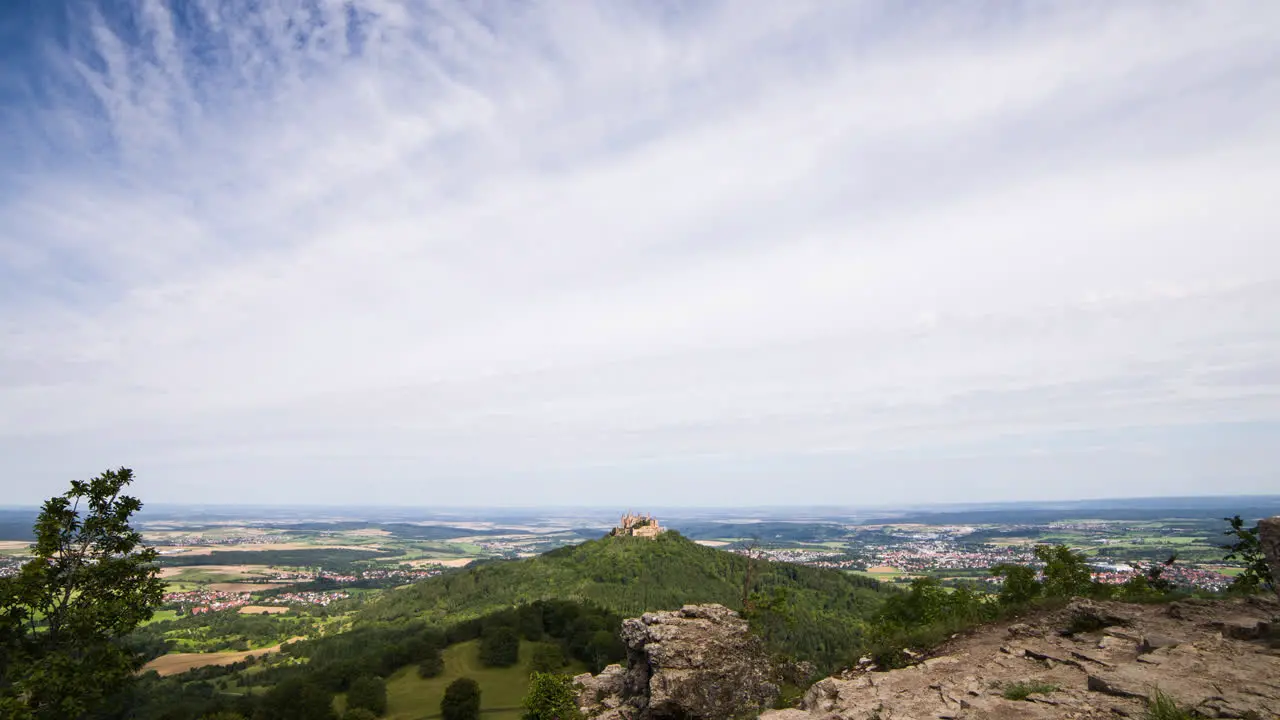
[410, 697]
[162, 615]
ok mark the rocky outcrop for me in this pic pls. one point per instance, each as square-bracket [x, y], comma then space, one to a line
[1269, 536]
[1213, 657]
[697, 662]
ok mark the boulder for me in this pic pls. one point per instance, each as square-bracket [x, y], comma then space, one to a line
[697, 662]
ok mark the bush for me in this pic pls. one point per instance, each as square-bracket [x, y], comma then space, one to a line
[359, 714]
[461, 700]
[550, 697]
[369, 693]
[499, 646]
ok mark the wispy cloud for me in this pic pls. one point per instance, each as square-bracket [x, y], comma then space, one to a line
[477, 252]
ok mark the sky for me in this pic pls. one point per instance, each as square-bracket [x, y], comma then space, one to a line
[640, 253]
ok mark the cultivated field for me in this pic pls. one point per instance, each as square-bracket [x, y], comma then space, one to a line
[244, 587]
[175, 663]
[260, 609]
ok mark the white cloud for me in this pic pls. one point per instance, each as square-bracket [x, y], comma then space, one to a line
[888, 254]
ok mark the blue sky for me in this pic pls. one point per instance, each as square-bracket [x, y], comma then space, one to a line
[599, 253]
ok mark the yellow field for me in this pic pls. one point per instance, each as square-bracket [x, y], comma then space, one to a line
[259, 609]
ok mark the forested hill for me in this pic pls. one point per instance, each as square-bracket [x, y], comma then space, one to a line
[820, 616]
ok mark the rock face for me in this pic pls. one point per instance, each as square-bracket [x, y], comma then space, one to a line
[1210, 656]
[696, 662]
[1269, 535]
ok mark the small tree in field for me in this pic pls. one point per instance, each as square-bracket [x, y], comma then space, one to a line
[461, 700]
[91, 581]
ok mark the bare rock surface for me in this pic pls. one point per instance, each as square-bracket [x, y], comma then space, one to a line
[697, 662]
[1211, 656]
[1269, 536]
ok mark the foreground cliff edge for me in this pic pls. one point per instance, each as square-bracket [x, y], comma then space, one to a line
[1091, 659]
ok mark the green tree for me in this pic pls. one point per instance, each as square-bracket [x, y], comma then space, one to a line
[547, 657]
[500, 646]
[432, 665]
[90, 583]
[461, 700]
[1065, 572]
[296, 699]
[369, 693]
[551, 697]
[1020, 585]
[359, 714]
[1247, 549]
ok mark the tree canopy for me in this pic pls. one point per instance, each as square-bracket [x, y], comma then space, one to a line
[89, 583]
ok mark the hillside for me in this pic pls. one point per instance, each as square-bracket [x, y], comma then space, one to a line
[824, 608]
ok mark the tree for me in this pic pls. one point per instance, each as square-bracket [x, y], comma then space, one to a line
[550, 697]
[1065, 572]
[90, 583]
[1247, 549]
[369, 693]
[461, 700]
[499, 646]
[547, 657]
[432, 665]
[359, 714]
[296, 699]
[1020, 585]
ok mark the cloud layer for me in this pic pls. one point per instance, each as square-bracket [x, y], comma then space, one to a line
[723, 253]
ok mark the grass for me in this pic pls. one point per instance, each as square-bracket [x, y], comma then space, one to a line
[161, 616]
[410, 697]
[1022, 690]
[1163, 707]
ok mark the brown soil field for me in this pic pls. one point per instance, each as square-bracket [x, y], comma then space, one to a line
[14, 544]
[882, 569]
[259, 609]
[175, 663]
[244, 587]
[447, 562]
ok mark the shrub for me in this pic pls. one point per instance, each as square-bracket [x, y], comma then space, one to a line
[1022, 690]
[461, 700]
[359, 714]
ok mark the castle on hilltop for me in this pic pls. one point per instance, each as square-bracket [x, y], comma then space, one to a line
[645, 526]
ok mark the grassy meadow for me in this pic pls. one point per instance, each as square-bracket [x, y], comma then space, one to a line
[410, 697]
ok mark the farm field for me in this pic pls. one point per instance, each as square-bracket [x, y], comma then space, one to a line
[175, 663]
[410, 697]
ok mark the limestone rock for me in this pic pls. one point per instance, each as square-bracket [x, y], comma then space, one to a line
[1106, 673]
[1269, 536]
[697, 662]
